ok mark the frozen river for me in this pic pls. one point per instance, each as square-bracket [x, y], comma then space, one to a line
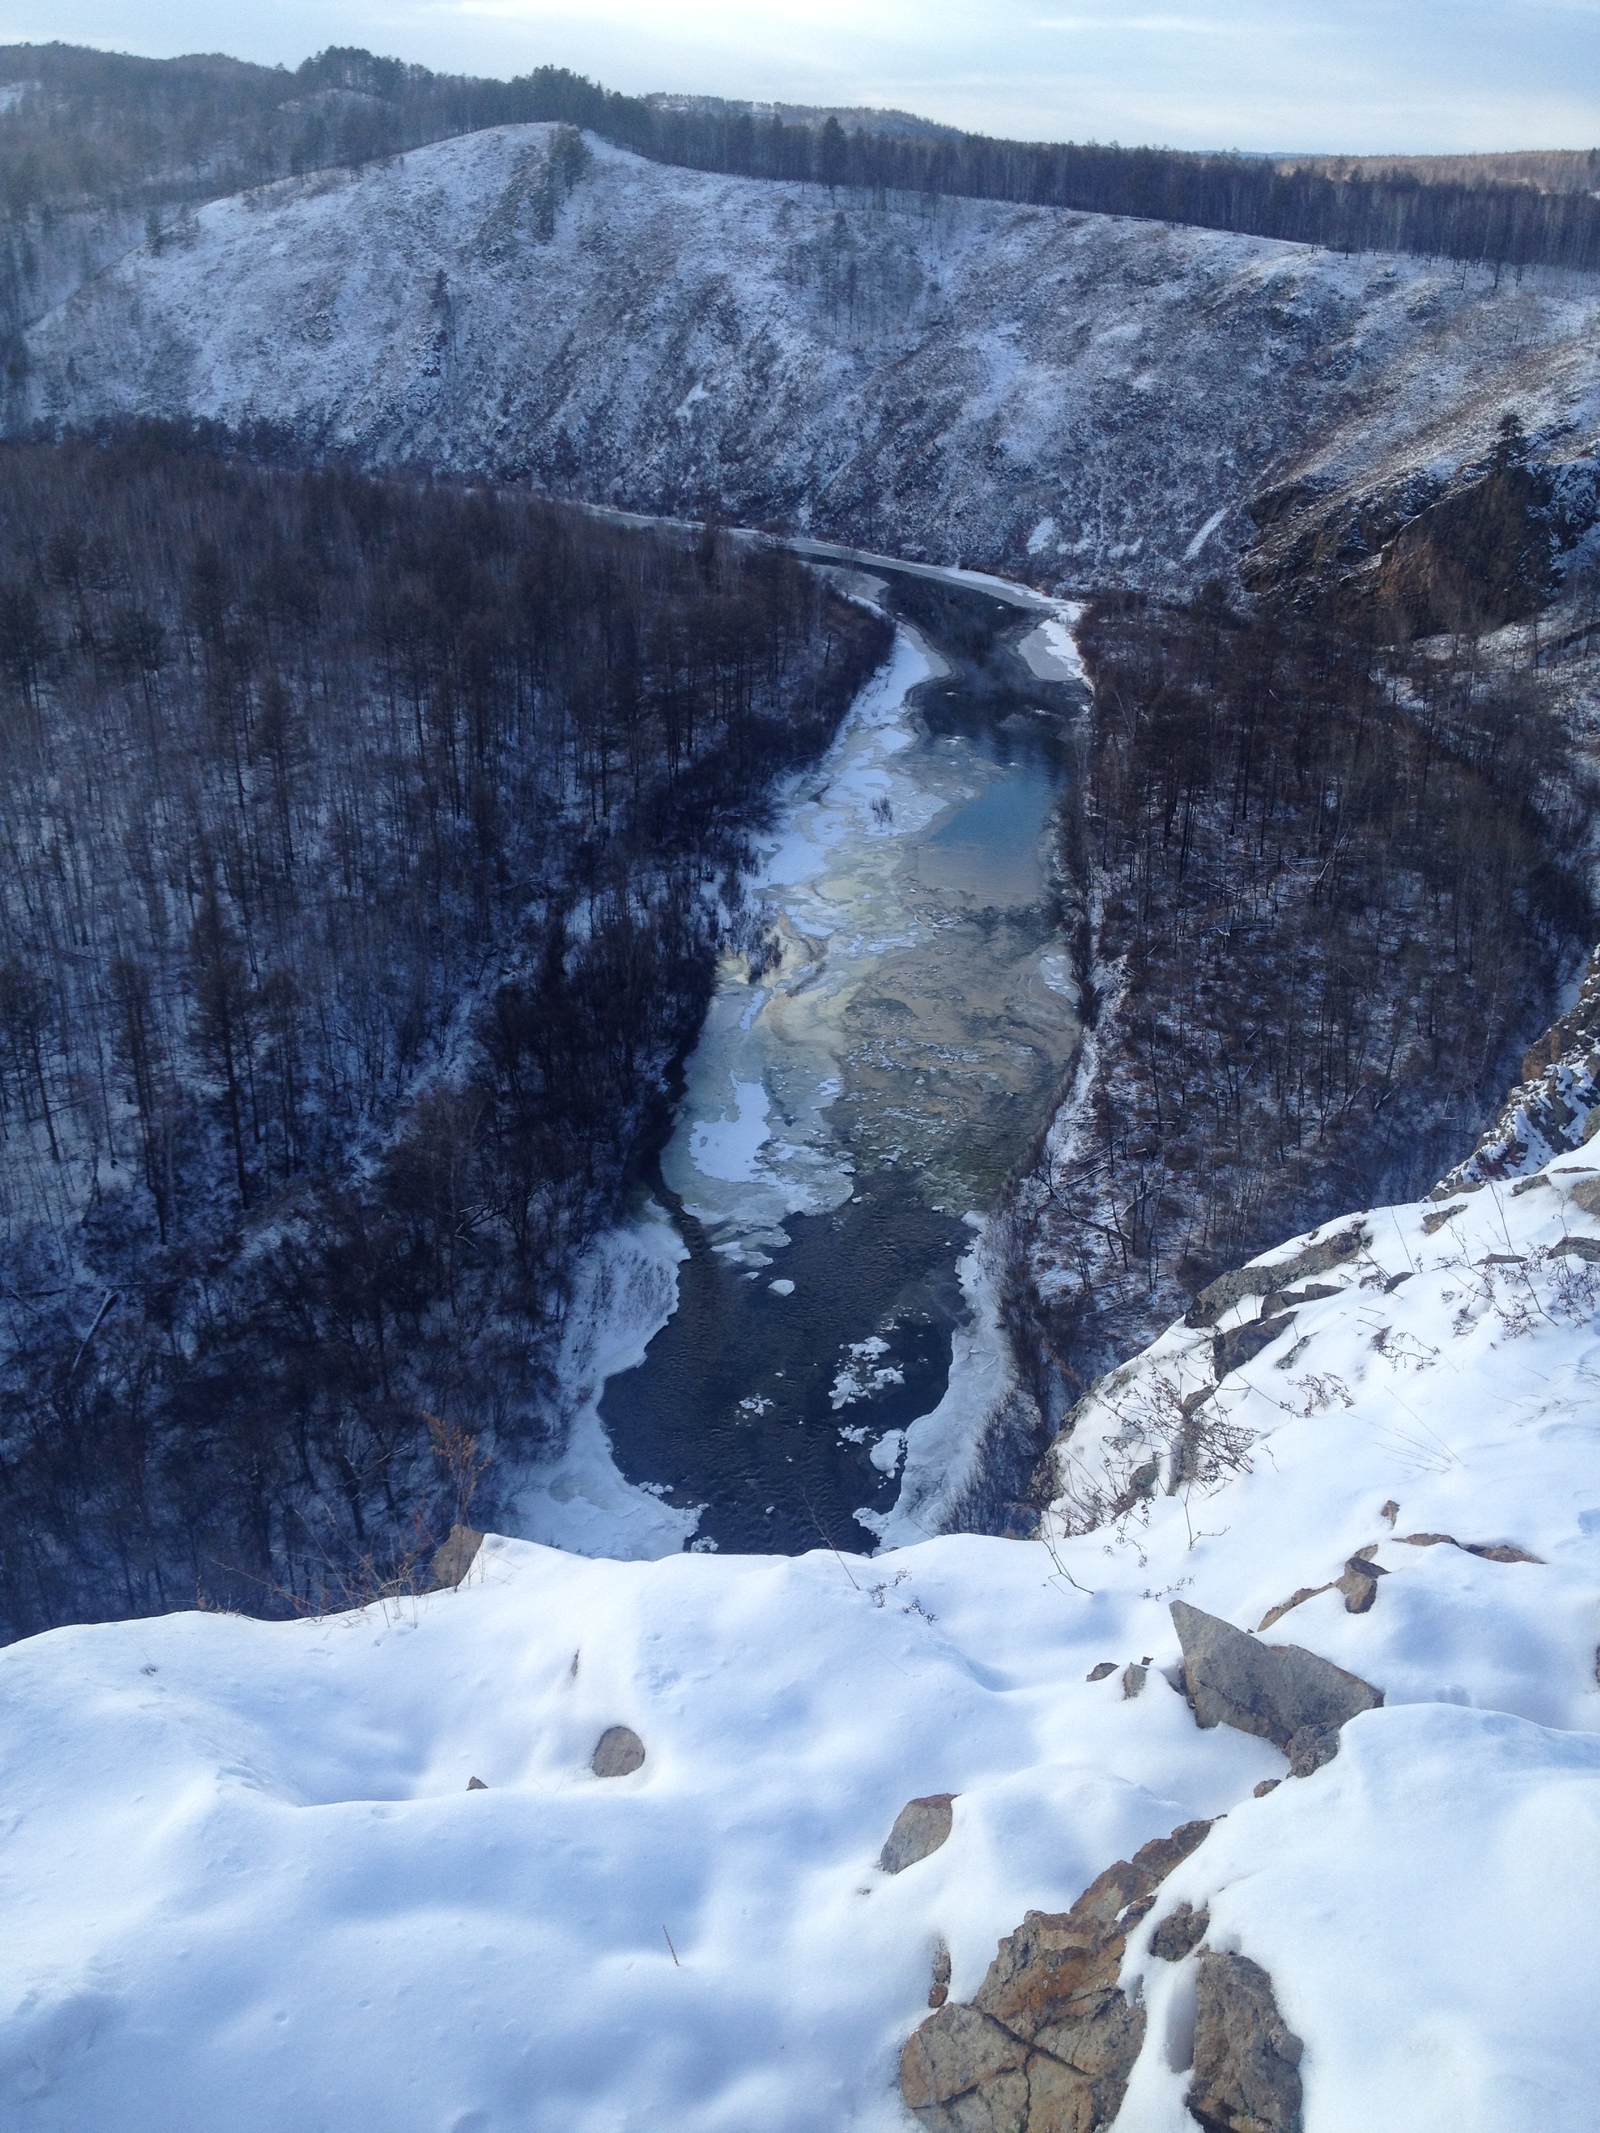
[863, 1086]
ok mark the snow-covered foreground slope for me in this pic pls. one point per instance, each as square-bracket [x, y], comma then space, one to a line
[1065, 395]
[246, 1883]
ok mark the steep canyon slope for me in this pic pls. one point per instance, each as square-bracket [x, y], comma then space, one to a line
[1074, 396]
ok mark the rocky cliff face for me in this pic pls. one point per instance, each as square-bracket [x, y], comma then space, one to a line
[1074, 397]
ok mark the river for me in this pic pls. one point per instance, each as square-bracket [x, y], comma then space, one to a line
[864, 1084]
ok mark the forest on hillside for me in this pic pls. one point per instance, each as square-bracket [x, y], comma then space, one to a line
[1494, 224]
[90, 135]
[1336, 884]
[368, 846]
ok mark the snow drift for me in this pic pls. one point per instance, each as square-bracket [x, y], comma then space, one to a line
[249, 1883]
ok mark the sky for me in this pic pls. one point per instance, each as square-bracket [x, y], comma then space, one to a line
[1361, 76]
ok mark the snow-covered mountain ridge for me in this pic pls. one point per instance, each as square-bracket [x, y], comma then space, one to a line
[253, 1886]
[1073, 396]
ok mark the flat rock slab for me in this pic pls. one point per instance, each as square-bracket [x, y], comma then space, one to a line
[618, 1753]
[920, 1827]
[1272, 1690]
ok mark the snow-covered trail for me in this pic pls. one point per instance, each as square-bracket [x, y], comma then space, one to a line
[877, 1078]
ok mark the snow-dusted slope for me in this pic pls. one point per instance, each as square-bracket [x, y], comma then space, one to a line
[1074, 396]
[246, 1884]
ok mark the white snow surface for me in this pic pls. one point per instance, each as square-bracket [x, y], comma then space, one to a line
[1074, 396]
[246, 1884]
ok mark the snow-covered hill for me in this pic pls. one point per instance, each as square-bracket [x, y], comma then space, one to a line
[1075, 397]
[247, 1882]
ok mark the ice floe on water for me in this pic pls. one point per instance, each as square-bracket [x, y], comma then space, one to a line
[729, 1148]
[826, 885]
[890, 1033]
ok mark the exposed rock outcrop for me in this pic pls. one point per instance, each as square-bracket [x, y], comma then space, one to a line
[1275, 1691]
[1246, 2058]
[1554, 1109]
[1047, 2043]
[1179, 1933]
[920, 1827]
[1229, 1289]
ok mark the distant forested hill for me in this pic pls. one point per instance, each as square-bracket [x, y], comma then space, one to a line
[96, 135]
[367, 846]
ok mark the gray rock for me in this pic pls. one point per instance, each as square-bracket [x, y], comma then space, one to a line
[1586, 1194]
[618, 1753]
[1099, 1673]
[1133, 1680]
[476, 1785]
[1310, 1748]
[920, 1827]
[1271, 1690]
[1179, 1933]
[1229, 1289]
[1232, 1350]
[454, 1557]
[1246, 2060]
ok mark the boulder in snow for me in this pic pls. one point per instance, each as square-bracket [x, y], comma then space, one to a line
[618, 1753]
[1246, 2058]
[920, 1827]
[1359, 1584]
[454, 1557]
[1233, 1349]
[1272, 1690]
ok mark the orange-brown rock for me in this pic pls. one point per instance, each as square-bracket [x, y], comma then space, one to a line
[1048, 2041]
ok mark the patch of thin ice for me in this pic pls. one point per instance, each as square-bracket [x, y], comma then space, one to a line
[730, 1148]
